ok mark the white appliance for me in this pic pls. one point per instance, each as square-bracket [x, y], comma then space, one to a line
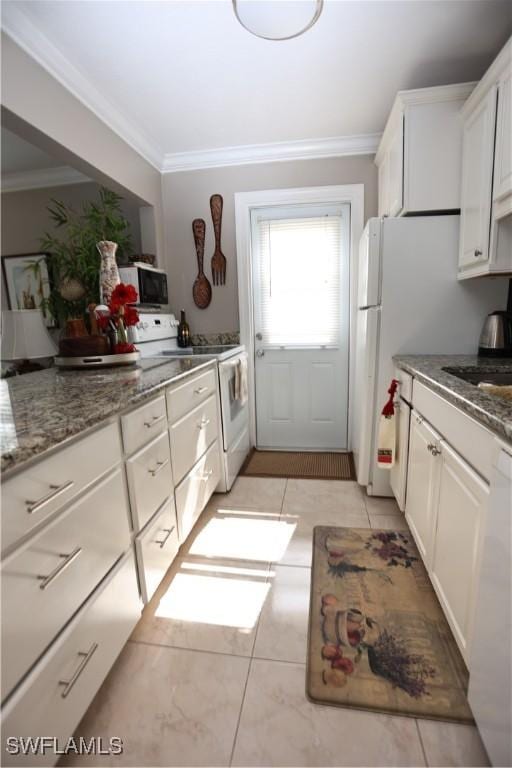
[409, 302]
[156, 336]
[490, 675]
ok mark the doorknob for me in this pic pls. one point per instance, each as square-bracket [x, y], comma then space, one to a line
[260, 352]
[259, 336]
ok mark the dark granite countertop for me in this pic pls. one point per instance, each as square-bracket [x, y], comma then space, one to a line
[41, 410]
[491, 410]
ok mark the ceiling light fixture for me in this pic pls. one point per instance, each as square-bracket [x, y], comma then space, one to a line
[277, 19]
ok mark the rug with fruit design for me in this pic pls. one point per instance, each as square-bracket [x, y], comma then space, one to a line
[378, 638]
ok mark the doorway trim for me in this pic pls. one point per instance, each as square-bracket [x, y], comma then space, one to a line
[245, 202]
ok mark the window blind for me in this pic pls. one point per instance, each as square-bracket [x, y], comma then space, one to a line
[298, 266]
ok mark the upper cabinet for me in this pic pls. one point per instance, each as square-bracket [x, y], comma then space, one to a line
[486, 196]
[419, 157]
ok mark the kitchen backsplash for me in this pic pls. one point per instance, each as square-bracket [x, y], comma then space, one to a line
[205, 339]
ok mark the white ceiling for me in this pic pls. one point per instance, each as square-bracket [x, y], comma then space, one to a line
[184, 75]
[19, 156]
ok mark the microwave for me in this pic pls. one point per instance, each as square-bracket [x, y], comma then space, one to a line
[149, 282]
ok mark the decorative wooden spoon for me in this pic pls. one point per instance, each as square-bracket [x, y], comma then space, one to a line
[218, 258]
[201, 290]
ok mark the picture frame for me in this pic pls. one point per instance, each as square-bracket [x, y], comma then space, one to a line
[27, 283]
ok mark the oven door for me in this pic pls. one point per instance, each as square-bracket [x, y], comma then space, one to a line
[153, 287]
[235, 417]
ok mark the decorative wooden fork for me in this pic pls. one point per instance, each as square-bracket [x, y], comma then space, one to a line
[218, 258]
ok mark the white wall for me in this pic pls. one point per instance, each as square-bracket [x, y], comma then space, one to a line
[186, 196]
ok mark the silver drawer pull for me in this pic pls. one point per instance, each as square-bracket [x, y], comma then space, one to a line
[434, 450]
[87, 655]
[68, 559]
[154, 421]
[477, 253]
[208, 474]
[200, 390]
[159, 465]
[56, 490]
[203, 423]
[162, 543]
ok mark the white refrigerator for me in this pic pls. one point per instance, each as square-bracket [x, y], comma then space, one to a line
[409, 302]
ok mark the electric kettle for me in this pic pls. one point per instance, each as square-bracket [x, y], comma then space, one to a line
[496, 336]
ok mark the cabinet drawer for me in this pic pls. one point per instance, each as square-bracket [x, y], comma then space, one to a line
[38, 491]
[191, 436]
[149, 479]
[84, 653]
[184, 397]
[144, 424]
[156, 548]
[47, 581]
[194, 491]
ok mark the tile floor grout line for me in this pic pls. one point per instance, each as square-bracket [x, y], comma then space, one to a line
[421, 742]
[184, 648]
[240, 714]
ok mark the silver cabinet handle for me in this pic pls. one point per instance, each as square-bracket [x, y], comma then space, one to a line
[203, 423]
[477, 253]
[68, 559]
[419, 420]
[154, 421]
[56, 490]
[87, 655]
[434, 450]
[159, 465]
[200, 390]
[162, 543]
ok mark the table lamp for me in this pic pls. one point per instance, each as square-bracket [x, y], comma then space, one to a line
[24, 338]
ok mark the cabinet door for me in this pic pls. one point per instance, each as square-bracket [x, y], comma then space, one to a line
[477, 167]
[421, 484]
[503, 155]
[460, 516]
[396, 170]
[398, 474]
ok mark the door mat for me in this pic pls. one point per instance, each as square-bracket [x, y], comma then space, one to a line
[300, 464]
[378, 638]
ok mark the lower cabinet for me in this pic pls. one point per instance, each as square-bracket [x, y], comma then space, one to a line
[462, 500]
[193, 493]
[446, 509]
[156, 548]
[56, 694]
[421, 484]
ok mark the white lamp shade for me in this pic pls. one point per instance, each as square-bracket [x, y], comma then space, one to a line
[277, 19]
[25, 336]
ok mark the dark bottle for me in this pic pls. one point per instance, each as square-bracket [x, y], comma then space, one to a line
[183, 331]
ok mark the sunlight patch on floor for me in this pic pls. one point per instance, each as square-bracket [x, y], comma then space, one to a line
[244, 538]
[215, 599]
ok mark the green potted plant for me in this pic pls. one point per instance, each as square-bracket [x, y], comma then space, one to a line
[74, 260]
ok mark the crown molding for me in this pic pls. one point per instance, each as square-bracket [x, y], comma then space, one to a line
[20, 27]
[43, 178]
[249, 154]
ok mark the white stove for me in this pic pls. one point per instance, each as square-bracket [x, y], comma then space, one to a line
[156, 336]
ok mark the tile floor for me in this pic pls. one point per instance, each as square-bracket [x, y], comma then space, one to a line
[214, 673]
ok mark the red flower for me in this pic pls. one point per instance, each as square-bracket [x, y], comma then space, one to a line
[122, 349]
[131, 316]
[121, 295]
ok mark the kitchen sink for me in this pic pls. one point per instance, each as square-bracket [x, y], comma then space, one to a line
[496, 378]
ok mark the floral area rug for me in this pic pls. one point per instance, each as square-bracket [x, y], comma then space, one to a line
[378, 638]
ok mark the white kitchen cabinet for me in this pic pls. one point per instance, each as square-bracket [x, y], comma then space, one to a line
[57, 692]
[461, 507]
[486, 198]
[502, 191]
[156, 548]
[419, 157]
[149, 479]
[421, 484]
[478, 159]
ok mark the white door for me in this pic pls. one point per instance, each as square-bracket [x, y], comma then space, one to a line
[300, 259]
[423, 468]
[477, 166]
